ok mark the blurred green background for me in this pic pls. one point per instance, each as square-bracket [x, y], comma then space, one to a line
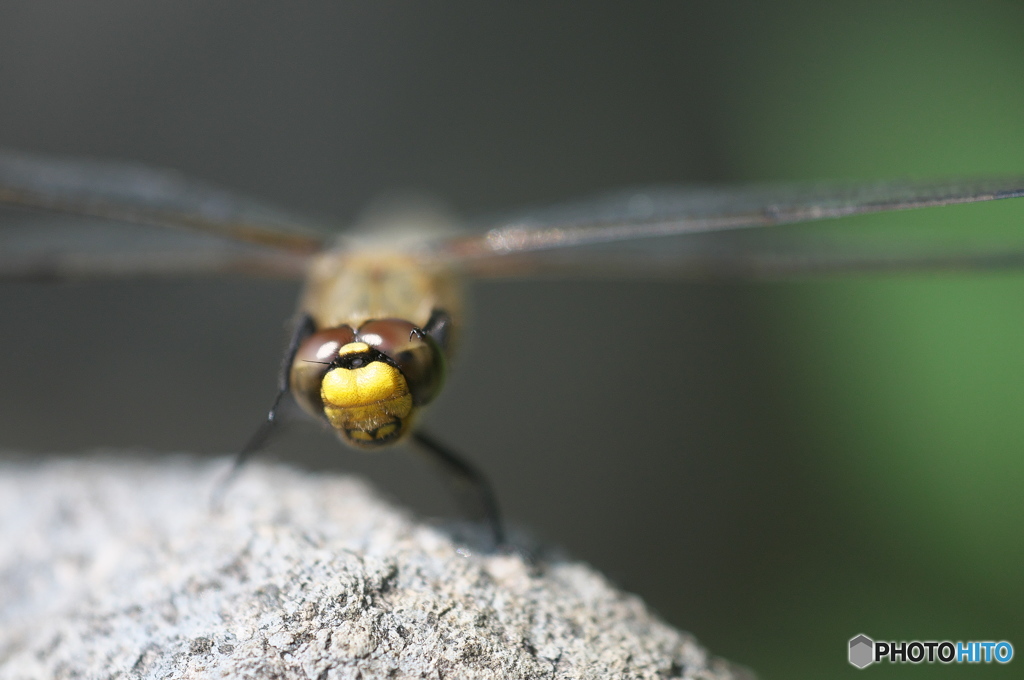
[909, 391]
[805, 461]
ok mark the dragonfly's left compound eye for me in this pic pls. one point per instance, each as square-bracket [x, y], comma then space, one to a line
[368, 383]
[414, 352]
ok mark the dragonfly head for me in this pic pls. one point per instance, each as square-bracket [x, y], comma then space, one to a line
[368, 383]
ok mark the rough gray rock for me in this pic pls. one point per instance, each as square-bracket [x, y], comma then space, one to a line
[118, 569]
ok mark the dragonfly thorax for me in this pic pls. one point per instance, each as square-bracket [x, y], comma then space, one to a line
[352, 287]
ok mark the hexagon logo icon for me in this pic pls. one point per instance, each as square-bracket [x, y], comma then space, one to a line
[862, 651]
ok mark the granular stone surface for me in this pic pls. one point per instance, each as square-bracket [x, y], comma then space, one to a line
[111, 568]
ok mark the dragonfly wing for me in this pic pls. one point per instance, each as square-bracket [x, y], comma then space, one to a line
[141, 195]
[46, 247]
[708, 231]
[717, 257]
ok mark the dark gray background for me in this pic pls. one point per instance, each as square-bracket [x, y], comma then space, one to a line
[643, 425]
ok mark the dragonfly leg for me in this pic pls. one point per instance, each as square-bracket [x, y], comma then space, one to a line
[304, 327]
[469, 485]
[439, 327]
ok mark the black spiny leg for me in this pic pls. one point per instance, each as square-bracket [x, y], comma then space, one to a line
[469, 485]
[439, 327]
[304, 327]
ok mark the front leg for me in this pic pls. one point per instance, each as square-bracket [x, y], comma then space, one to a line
[469, 485]
[304, 327]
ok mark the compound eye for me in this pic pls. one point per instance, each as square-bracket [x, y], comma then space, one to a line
[414, 352]
[312, 361]
[390, 336]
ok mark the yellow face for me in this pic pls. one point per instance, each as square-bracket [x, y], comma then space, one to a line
[367, 383]
[366, 400]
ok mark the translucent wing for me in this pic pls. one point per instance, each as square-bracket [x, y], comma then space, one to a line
[141, 195]
[223, 232]
[43, 247]
[706, 231]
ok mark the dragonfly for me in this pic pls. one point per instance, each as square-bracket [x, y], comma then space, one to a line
[378, 320]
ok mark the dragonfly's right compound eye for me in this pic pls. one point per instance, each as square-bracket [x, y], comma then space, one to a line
[312, 362]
